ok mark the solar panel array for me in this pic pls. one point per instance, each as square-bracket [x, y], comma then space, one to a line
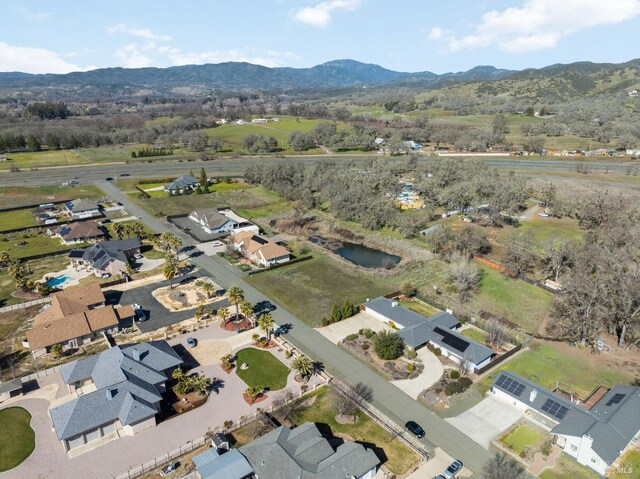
[555, 409]
[615, 399]
[508, 384]
[449, 339]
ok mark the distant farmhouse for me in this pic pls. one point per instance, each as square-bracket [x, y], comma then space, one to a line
[439, 330]
[182, 184]
[215, 221]
[302, 452]
[595, 433]
[114, 393]
[260, 250]
[78, 232]
[80, 209]
[76, 316]
[110, 257]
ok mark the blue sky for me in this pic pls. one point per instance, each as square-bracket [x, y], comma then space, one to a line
[40, 36]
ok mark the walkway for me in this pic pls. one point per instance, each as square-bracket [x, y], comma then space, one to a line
[386, 397]
[432, 372]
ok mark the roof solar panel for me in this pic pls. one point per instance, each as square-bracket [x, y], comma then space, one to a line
[449, 339]
[510, 385]
[555, 409]
[615, 399]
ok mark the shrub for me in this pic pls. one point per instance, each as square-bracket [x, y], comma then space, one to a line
[392, 325]
[351, 337]
[411, 367]
[411, 353]
[546, 448]
[255, 337]
[465, 383]
[367, 333]
[454, 375]
[287, 354]
[365, 346]
[437, 351]
[388, 345]
[456, 387]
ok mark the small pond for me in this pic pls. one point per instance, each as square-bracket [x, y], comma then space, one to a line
[359, 254]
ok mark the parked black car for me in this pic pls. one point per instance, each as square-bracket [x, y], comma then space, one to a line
[415, 429]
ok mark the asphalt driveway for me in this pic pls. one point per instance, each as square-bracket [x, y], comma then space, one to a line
[486, 420]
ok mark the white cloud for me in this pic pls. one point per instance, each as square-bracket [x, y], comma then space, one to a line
[320, 15]
[33, 16]
[134, 56]
[538, 24]
[138, 32]
[267, 58]
[34, 60]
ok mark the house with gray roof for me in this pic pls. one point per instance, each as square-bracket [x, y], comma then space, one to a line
[182, 184]
[107, 257]
[594, 436]
[114, 393]
[302, 452]
[438, 330]
[82, 208]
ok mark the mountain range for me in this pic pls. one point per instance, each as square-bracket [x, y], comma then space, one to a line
[238, 77]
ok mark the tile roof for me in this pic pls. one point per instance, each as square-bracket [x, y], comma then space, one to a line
[125, 377]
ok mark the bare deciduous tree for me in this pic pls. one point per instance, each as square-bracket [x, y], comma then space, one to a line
[502, 467]
[496, 333]
[465, 275]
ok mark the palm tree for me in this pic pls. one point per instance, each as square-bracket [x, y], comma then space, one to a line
[199, 312]
[5, 259]
[206, 287]
[118, 229]
[223, 314]
[200, 384]
[266, 323]
[171, 269]
[304, 366]
[246, 308]
[236, 296]
[137, 229]
[254, 392]
[169, 241]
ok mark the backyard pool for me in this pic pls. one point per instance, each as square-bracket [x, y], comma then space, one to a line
[55, 282]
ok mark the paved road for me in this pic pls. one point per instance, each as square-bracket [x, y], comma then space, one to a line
[386, 397]
[222, 167]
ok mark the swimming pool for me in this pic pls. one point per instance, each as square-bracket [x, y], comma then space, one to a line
[58, 281]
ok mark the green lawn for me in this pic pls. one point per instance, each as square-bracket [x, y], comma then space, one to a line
[420, 307]
[520, 438]
[38, 269]
[264, 369]
[16, 219]
[567, 468]
[477, 336]
[549, 363]
[513, 299]
[43, 158]
[399, 457]
[629, 465]
[17, 440]
[551, 228]
[37, 242]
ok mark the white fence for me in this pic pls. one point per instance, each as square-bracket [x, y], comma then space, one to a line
[24, 305]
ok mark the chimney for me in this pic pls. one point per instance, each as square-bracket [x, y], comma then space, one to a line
[110, 393]
[533, 395]
[394, 304]
[136, 354]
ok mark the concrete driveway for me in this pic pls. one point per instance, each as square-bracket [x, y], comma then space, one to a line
[486, 420]
[432, 372]
[336, 332]
[437, 465]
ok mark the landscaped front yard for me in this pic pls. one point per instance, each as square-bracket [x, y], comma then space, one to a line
[567, 468]
[399, 457]
[17, 439]
[264, 369]
[520, 438]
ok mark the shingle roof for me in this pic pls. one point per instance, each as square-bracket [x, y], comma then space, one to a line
[101, 254]
[79, 230]
[125, 378]
[80, 204]
[612, 423]
[184, 181]
[211, 217]
[272, 250]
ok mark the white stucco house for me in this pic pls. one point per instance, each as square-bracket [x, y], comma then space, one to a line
[214, 221]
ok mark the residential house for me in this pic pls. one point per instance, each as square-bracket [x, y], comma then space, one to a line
[110, 257]
[182, 184]
[114, 393]
[78, 232]
[80, 209]
[378, 141]
[76, 316]
[595, 433]
[302, 452]
[260, 250]
[225, 221]
[259, 120]
[438, 330]
[632, 152]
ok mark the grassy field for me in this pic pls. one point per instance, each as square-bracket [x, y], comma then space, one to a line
[477, 336]
[549, 364]
[393, 454]
[17, 440]
[37, 242]
[543, 229]
[21, 196]
[264, 369]
[38, 269]
[629, 466]
[34, 159]
[513, 299]
[304, 290]
[162, 120]
[520, 438]
[420, 307]
[567, 468]
[16, 219]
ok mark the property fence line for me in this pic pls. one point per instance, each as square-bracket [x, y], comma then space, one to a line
[281, 265]
[41, 373]
[15, 208]
[504, 356]
[26, 304]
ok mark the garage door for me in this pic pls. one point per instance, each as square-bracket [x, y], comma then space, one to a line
[108, 429]
[93, 435]
[75, 441]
